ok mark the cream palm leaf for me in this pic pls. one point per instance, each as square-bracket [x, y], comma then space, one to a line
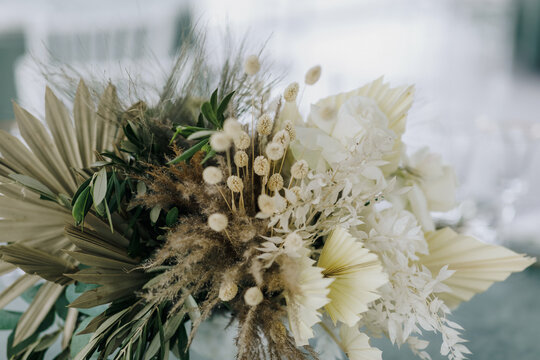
[51, 158]
[477, 265]
[357, 275]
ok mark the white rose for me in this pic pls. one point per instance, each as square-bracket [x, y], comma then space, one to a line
[332, 126]
[437, 181]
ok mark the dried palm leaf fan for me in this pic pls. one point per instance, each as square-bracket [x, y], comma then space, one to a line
[47, 168]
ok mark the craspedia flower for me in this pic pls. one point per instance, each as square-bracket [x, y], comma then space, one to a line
[242, 140]
[253, 296]
[275, 183]
[357, 275]
[261, 166]
[220, 141]
[232, 127]
[289, 127]
[228, 290]
[266, 204]
[300, 169]
[252, 65]
[282, 137]
[212, 175]
[291, 92]
[265, 124]
[274, 151]
[235, 183]
[313, 75]
[241, 158]
[218, 222]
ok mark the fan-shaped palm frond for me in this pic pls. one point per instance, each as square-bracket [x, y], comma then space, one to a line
[45, 167]
[477, 265]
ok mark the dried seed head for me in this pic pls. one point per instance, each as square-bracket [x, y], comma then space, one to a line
[313, 75]
[232, 127]
[261, 166]
[220, 141]
[289, 127]
[252, 65]
[265, 124]
[275, 183]
[300, 169]
[242, 140]
[282, 137]
[293, 243]
[235, 183]
[218, 222]
[227, 290]
[253, 296]
[266, 204]
[212, 175]
[274, 151]
[291, 92]
[241, 158]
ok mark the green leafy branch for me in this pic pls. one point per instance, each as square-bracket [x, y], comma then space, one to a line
[211, 119]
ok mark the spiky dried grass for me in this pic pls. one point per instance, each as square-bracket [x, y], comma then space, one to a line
[198, 259]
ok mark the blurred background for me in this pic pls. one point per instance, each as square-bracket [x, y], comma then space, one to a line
[475, 64]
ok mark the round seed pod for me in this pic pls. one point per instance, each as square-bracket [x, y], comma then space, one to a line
[218, 222]
[212, 175]
[241, 158]
[261, 166]
[265, 124]
[235, 183]
[253, 296]
[275, 183]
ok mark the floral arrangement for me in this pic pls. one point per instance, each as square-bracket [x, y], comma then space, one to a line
[135, 221]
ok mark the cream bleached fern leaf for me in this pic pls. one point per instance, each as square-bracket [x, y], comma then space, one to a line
[477, 265]
[46, 165]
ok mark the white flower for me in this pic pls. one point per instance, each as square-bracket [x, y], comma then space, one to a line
[356, 344]
[437, 181]
[306, 292]
[357, 273]
[337, 120]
